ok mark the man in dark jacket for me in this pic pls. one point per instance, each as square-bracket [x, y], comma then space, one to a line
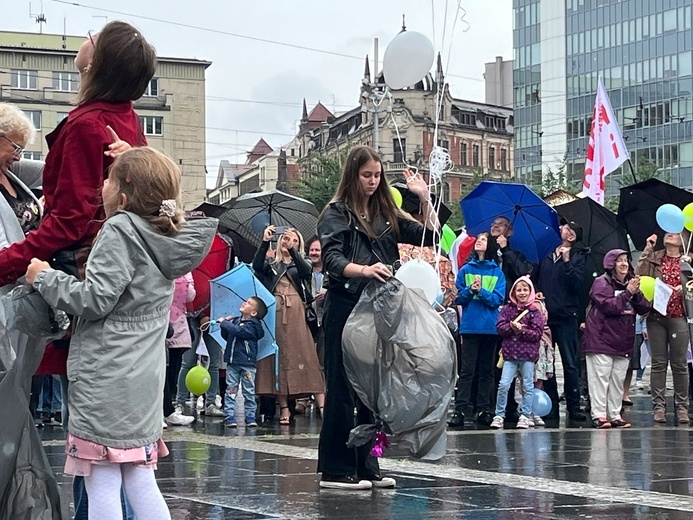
[558, 279]
[512, 262]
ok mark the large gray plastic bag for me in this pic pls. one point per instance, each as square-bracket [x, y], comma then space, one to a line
[400, 358]
[28, 490]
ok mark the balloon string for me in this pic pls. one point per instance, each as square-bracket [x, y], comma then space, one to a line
[690, 237]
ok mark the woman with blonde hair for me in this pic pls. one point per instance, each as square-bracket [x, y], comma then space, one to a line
[288, 276]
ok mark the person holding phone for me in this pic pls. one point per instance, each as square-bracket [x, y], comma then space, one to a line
[287, 276]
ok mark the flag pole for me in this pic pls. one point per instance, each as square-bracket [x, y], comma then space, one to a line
[632, 171]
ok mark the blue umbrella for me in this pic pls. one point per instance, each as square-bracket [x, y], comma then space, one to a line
[231, 289]
[535, 223]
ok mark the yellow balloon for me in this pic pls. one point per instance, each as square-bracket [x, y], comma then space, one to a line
[647, 286]
[396, 196]
[688, 217]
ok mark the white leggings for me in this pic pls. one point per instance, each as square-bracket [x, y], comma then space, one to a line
[103, 488]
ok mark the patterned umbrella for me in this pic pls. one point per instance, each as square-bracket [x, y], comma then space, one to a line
[249, 214]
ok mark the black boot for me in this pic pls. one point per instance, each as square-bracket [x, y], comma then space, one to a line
[456, 420]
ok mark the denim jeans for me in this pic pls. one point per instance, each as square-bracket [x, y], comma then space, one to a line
[189, 360]
[246, 377]
[509, 371]
[79, 492]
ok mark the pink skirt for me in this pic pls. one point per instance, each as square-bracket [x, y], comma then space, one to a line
[83, 454]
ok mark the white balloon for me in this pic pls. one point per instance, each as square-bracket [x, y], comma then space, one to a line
[407, 59]
[417, 274]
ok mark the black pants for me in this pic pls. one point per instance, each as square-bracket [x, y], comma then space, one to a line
[478, 357]
[334, 457]
[565, 334]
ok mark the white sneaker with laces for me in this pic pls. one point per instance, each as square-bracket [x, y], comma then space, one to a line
[538, 421]
[523, 423]
[497, 422]
[201, 402]
[639, 385]
[217, 401]
[178, 419]
[213, 411]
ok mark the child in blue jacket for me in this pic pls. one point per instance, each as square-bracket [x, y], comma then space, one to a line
[242, 335]
[480, 292]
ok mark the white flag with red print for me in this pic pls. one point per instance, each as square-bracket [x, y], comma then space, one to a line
[606, 151]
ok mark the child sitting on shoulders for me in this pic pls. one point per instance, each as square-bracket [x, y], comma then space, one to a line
[521, 325]
[242, 335]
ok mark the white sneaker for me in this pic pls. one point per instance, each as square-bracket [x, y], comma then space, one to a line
[538, 421]
[639, 385]
[213, 410]
[164, 425]
[523, 423]
[329, 482]
[382, 482]
[497, 422]
[178, 419]
[201, 402]
[217, 401]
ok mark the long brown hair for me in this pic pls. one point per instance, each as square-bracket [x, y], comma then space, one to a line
[122, 66]
[147, 178]
[350, 193]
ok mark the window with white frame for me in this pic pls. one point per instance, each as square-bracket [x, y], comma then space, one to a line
[65, 81]
[59, 116]
[35, 117]
[25, 79]
[152, 88]
[36, 156]
[152, 125]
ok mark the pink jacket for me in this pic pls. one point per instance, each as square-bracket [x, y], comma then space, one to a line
[183, 293]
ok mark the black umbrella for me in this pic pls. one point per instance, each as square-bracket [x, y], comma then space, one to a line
[601, 232]
[249, 214]
[638, 207]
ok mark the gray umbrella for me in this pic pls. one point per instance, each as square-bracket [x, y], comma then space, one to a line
[249, 214]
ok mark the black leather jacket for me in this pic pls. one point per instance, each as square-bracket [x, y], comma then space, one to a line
[344, 241]
[299, 271]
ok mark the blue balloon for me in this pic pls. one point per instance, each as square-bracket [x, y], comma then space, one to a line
[260, 221]
[670, 218]
[440, 297]
[541, 405]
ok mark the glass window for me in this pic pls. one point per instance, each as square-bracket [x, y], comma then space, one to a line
[475, 155]
[25, 79]
[504, 159]
[152, 88]
[463, 154]
[36, 156]
[35, 117]
[65, 81]
[152, 125]
[669, 20]
[685, 63]
[686, 154]
[60, 116]
[400, 150]
[492, 158]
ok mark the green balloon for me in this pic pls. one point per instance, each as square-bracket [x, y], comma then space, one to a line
[447, 239]
[198, 380]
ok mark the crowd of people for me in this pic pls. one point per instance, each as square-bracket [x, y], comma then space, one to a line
[108, 244]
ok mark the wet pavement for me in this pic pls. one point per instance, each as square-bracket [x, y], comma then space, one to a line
[566, 470]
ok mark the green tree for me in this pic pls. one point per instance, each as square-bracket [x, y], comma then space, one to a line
[320, 176]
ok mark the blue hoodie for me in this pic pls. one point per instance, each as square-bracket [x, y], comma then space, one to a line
[241, 341]
[480, 311]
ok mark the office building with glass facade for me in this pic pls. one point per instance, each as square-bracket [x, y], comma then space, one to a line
[641, 48]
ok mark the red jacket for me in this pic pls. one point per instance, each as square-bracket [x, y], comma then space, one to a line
[72, 179]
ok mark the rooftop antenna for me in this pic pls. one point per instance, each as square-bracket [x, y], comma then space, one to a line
[39, 17]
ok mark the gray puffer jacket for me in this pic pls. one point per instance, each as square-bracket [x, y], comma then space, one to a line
[117, 354]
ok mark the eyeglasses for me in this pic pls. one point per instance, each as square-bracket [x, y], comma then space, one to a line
[18, 150]
[91, 38]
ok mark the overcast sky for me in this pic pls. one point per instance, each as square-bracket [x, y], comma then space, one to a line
[255, 88]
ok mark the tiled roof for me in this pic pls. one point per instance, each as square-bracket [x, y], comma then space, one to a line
[319, 113]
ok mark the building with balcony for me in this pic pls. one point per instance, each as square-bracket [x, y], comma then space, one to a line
[642, 49]
[37, 73]
[478, 136]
